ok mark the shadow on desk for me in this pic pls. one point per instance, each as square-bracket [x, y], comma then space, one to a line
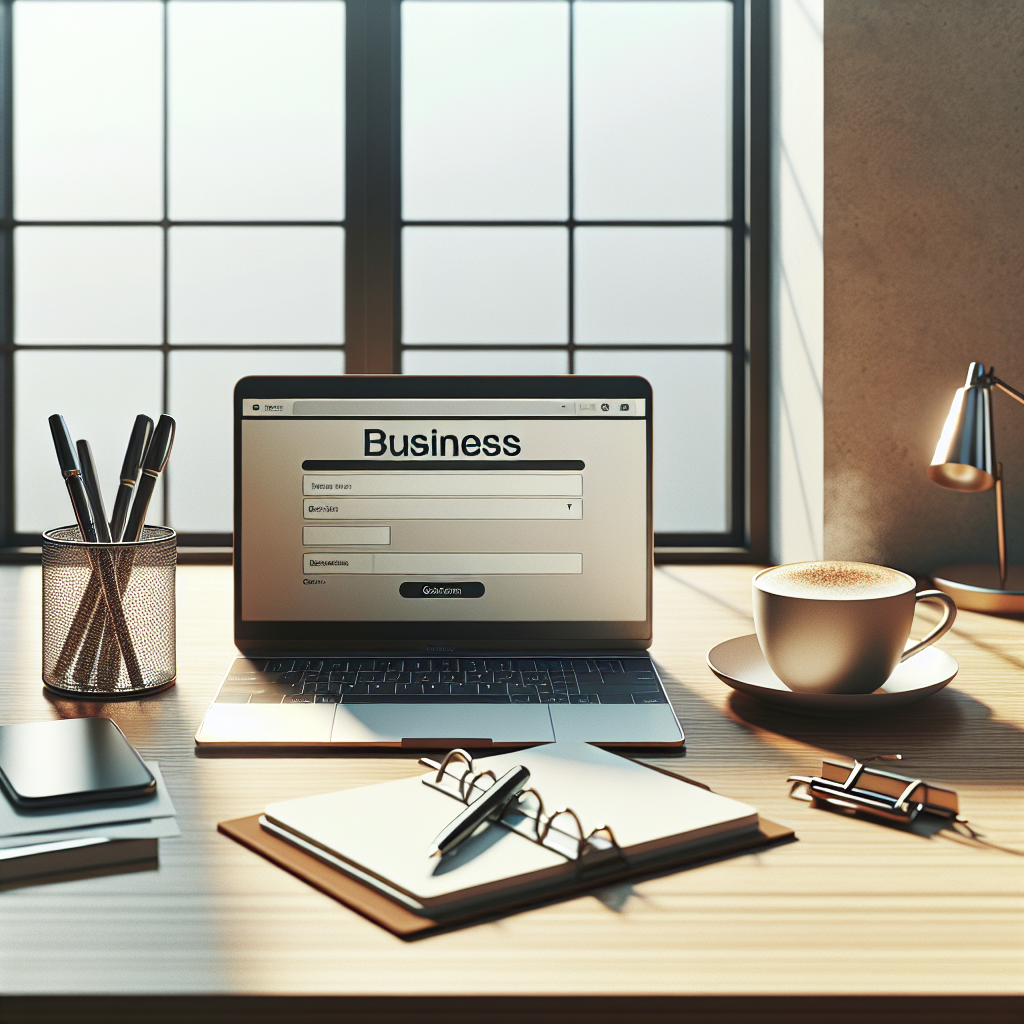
[73, 876]
[931, 735]
[515, 1009]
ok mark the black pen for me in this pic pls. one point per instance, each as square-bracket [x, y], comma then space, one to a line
[72, 473]
[490, 804]
[153, 465]
[142, 431]
[93, 637]
[92, 489]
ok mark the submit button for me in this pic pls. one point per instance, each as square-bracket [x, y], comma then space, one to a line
[441, 590]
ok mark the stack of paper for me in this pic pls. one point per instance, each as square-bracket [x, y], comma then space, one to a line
[85, 837]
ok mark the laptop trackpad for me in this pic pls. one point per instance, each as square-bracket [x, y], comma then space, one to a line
[441, 725]
[617, 723]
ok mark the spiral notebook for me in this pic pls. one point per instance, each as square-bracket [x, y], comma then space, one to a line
[590, 817]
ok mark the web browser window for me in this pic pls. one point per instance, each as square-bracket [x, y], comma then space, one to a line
[398, 509]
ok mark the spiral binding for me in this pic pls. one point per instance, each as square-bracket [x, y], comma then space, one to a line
[597, 847]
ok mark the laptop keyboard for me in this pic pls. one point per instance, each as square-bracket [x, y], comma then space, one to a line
[443, 681]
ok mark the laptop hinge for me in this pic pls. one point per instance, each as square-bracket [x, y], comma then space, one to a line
[435, 743]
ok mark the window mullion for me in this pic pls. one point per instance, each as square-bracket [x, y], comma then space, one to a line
[6, 279]
[372, 144]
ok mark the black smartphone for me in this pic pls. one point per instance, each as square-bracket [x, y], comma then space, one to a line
[71, 761]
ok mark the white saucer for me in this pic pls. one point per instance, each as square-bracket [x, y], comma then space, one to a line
[740, 664]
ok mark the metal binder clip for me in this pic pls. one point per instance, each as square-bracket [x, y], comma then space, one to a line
[858, 789]
[591, 850]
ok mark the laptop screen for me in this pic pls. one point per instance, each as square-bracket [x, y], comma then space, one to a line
[443, 520]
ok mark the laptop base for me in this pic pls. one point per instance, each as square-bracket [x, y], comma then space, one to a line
[380, 700]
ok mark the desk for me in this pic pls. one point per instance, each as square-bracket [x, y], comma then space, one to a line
[813, 930]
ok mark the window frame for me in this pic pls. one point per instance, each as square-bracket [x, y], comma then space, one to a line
[372, 325]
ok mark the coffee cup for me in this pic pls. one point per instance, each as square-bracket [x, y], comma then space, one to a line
[839, 627]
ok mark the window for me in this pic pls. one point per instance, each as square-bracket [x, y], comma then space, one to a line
[532, 186]
[178, 210]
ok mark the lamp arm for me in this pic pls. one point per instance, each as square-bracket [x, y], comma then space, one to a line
[1003, 386]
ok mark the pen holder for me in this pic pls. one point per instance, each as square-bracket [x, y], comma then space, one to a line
[108, 614]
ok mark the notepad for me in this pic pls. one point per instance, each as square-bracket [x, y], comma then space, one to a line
[380, 835]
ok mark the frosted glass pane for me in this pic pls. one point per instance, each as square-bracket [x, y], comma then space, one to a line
[691, 431]
[99, 394]
[274, 285]
[485, 285]
[88, 100]
[199, 479]
[454, 364]
[653, 118]
[101, 285]
[652, 285]
[257, 110]
[485, 121]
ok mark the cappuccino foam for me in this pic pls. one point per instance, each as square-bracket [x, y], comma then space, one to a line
[830, 581]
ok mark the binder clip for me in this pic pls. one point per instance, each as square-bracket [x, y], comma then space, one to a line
[858, 789]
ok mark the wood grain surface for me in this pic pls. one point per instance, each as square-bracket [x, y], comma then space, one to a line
[851, 909]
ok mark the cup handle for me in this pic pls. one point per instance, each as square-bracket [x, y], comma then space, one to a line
[940, 629]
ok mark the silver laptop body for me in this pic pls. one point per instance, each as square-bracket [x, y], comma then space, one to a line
[441, 561]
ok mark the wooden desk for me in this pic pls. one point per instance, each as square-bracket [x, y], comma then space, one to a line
[809, 931]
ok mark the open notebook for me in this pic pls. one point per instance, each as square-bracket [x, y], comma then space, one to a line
[379, 835]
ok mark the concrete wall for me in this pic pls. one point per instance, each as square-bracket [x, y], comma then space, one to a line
[796, 412]
[924, 267]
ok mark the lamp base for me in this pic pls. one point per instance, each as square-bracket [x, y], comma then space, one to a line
[975, 587]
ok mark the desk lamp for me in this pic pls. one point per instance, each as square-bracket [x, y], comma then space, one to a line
[964, 460]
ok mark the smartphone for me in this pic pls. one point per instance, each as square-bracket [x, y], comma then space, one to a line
[71, 761]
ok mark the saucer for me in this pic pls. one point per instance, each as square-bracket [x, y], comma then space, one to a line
[740, 664]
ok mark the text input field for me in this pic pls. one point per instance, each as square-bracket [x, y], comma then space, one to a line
[346, 535]
[443, 484]
[442, 508]
[444, 563]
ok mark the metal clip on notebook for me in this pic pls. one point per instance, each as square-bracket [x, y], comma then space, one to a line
[595, 849]
[877, 793]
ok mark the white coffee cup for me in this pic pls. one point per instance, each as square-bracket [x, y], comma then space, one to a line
[839, 627]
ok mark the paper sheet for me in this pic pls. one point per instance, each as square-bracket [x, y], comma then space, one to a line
[16, 822]
[153, 828]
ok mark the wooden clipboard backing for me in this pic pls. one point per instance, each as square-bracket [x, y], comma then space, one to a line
[407, 925]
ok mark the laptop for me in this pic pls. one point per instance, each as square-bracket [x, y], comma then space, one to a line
[435, 562]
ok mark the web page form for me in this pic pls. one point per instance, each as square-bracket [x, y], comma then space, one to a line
[441, 510]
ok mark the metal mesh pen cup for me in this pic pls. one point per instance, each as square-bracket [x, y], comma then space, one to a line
[108, 614]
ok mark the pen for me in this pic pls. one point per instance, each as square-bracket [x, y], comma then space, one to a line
[101, 560]
[152, 466]
[72, 473]
[91, 643]
[142, 431]
[157, 452]
[489, 804]
[138, 441]
[92, 489]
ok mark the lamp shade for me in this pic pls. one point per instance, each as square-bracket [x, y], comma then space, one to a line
[964, 458]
